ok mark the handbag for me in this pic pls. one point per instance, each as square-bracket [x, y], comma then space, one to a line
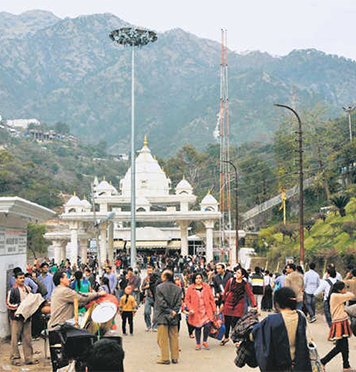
[314, 357]
[217, 329]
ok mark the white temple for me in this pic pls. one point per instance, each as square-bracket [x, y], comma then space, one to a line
[163, 214]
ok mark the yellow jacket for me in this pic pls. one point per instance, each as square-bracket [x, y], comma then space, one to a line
[129, 305]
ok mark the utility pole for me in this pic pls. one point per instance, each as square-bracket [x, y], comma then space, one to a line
[301, 182]
[348, 110]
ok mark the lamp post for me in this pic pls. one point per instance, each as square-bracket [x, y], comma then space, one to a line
[235, 257]
[301, 182]
[348, 110]
[133, 37]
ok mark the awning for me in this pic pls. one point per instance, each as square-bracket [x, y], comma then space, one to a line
[119, 244]
[174, 244]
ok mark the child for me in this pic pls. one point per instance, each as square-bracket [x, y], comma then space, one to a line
[340, 329]
[128, 308]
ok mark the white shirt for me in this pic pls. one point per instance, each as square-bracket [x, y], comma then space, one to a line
[325, 287]
[311, 281]
[338, 276]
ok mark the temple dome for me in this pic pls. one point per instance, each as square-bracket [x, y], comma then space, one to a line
[85, 204]
[151, 180]
[209, 203]
[184, 187]
[74, 204]
[105, 189]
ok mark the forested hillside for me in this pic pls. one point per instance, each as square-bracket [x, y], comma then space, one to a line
[68, 70]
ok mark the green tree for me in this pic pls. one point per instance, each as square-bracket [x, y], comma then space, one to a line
[36, 243]
[62, 128]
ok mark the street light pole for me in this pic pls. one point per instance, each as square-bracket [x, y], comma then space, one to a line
[235, 257]
[348, 110]
[301, 183]
[133, 164]
[133, 37]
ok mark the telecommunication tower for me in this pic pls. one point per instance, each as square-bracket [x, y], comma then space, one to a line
[224, 141]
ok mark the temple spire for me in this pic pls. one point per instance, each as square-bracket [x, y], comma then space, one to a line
[145, 141]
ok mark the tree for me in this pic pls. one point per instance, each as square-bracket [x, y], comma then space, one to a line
[62, 128]
[340, 203]
[287, 230]
[36, 242]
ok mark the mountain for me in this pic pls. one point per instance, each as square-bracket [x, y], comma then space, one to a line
[69, 70]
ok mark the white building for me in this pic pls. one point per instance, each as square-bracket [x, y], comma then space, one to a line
[15, 214]
[22, 123]
[157, 204]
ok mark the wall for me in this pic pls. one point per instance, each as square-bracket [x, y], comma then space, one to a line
[12, 254]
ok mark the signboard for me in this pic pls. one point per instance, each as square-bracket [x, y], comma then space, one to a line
[13, 241]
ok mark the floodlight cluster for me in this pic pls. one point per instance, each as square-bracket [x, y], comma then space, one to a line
[130, 36]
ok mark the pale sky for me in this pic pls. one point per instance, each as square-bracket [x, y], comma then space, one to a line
[274, 26]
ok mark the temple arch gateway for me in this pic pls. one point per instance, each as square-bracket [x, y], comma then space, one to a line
[163, 215]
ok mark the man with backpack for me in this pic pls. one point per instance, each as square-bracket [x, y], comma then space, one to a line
[257, 283]
[325, 288]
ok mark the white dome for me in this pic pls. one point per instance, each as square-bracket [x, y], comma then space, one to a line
[104, 187]
[209, 199]
[86, 204]
[184, 187]
[74, 201]
[150, 178]
[209, 203]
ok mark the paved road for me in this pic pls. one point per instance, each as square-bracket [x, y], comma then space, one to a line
[142, 351]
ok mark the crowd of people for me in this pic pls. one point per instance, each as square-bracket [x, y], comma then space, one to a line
[213, 299]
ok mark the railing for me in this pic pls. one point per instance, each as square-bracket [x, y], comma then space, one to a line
[268, 204]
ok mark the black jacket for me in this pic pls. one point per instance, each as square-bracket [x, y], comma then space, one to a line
[168, 298]
[272, 345]
[218, 281]
[13, 300]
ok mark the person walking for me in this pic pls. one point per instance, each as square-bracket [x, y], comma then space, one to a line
[311, 284]
[200, 304]
[20, 329]
[340, 329]
[325, 287]
[280, 339]
[148, 289]
[219, 282]
[234, 301]
[134, 281]
[111, 275]
[47, 279]
[267, 292]
[127, 308]
[168, 302]
[257, 283]
[351, 284]
[295, 281]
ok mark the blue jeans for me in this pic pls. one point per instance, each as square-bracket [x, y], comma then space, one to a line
[147, 312]
[300, 305]
[327, 313]
[310, 304]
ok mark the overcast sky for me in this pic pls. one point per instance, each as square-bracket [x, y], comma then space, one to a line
[275, 26]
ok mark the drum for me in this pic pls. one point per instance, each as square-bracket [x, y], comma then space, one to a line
[104, 312]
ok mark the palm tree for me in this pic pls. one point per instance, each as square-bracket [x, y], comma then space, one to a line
[340, 203]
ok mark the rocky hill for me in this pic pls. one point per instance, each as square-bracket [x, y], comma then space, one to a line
[68, 70]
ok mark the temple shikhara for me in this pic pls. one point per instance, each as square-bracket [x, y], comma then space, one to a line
[163, 214]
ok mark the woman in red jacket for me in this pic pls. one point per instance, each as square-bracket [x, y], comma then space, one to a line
[200, 302]
[234, 300]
